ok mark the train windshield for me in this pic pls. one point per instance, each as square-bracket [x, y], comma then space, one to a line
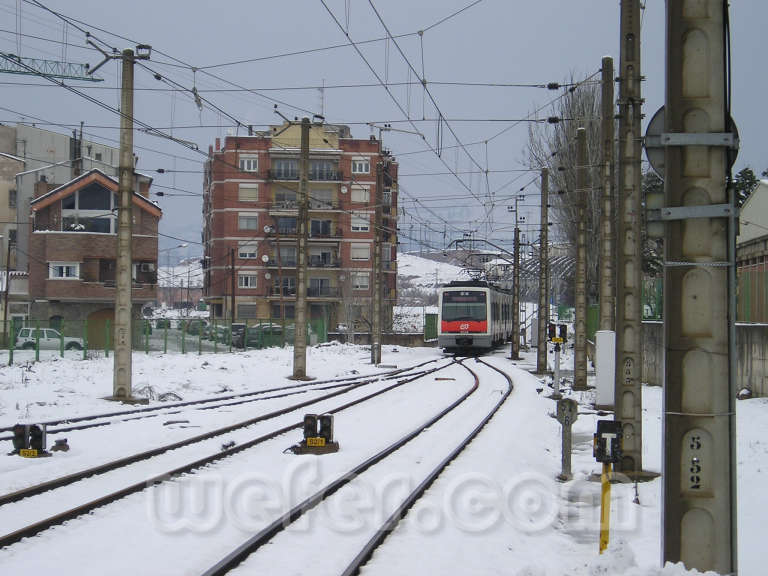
[464, 305]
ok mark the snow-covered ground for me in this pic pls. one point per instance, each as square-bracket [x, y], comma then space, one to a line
[497, 509]
[427, 273]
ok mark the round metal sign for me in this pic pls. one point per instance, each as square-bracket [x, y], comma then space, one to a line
[655, 150]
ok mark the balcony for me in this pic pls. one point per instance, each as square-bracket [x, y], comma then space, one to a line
[287, 175]
[284, 263]
[320, 205]
[323, 292]
[313, 176]
[325, 176]
[284, 207]
[320, 262]
[287, 291]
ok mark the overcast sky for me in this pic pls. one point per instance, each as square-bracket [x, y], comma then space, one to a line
[491, 42]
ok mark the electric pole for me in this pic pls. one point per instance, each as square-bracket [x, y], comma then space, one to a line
[300, 334]
[376, 320]
[580, 325]
[699, 413]
[122, 386]
[607, 297]
[515, 355]
[629, 269]
[541, 350]
[121, 382]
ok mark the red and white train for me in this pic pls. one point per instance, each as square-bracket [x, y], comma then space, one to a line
[473, 314]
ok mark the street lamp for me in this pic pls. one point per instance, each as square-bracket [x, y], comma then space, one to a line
[170, 282]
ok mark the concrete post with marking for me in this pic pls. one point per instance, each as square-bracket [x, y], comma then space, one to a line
[629, 274]
[699, 484]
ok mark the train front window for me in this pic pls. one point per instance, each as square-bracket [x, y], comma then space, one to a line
[464, 305]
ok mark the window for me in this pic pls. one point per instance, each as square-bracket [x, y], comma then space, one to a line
[248, 249]
[320, 257]
[285, 199]
[319, 228]
[246, 280]
[361, 251]
[321, 199]
[93, 198]
[322, 170]
[360, 222]
[319, 287]
[285, 168]
[97, 156]
[361, 166]
[289, 286]
[290, 310]
[92, 209]
[247, 192]
[64, 270]
[361, 194]
[248, 221]
[386, 197]
[11, 198]
[286, 225]
[249, 163]
[247, 311]
[360, 281]
[287, 255]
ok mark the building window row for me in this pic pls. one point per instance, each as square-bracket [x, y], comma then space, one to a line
[247, 221]
[360, 194]
[360, 281]
[248, 249]
[247, 280]
[248, 192]
[64, 270]
[361, 165]
[360, 251]
[249, 163]
[360, 222]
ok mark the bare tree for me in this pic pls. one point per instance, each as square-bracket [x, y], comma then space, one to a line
[554, 146]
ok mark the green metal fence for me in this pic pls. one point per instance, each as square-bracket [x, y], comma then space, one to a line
[430, 327]
[36, 340]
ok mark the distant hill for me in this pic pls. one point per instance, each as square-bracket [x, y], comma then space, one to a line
[418, 279]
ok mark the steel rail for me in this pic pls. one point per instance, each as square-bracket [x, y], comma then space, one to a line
[170, 406]
[122, 462]
[391, 523]
[37, 527]
[236, 557]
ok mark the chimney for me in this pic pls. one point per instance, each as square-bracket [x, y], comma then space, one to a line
[218, 144]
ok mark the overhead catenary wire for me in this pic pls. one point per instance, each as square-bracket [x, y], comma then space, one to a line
[446, 173]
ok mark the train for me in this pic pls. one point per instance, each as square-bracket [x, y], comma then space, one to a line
[473, 314]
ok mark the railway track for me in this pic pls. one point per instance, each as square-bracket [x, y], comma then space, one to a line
[85, 422]
[243, 552]
[68, 479]
[83, 509]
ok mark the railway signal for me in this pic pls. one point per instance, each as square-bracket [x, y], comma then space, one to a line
[29, 441]
[318, 436]
[607, 449]
[557, 334]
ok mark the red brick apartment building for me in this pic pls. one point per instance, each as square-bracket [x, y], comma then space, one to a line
[250, 213]
[73, 249]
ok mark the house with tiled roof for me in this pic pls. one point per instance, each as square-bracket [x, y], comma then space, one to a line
[73, 251]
